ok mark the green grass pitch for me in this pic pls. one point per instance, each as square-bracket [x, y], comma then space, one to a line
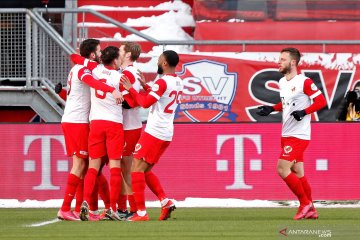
[186, 223]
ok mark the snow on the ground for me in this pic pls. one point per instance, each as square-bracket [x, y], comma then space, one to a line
[188, 203]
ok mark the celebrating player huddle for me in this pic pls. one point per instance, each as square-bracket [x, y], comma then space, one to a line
[103, 129]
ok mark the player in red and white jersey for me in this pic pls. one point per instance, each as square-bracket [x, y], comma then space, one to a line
[106, 132]
[129, 53]
[163, 100]
[75, 124]
[296, 93]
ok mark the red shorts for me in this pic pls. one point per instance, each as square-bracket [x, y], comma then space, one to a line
[131, 138]
[106, 138]
[76, 139]
[150, 148]
[293, 148]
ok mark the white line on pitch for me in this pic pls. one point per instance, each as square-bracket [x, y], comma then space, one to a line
[43, 223]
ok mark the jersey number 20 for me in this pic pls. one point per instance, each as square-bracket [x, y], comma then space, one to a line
[176, 97]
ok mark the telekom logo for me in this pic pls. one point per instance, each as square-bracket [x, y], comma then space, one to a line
[30, 165]
[239, 161]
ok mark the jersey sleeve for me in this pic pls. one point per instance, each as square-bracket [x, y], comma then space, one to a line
[84, 75]
[319, 103]
[311, 89]
[128, 97]
[316, 95]
[143, 100]
[130, 76]
[75, 58]
[158, 89]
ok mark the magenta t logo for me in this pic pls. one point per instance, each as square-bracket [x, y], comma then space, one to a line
[30, 165]
[239, 172]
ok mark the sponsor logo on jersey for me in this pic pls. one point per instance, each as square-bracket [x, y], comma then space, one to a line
[209, 91]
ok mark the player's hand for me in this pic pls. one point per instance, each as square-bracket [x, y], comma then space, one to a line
[265, 110]
[118, 96]
[142, 79]
[126, 82]
[298, 115]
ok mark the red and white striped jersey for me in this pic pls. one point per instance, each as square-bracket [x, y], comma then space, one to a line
[131, 117]
[77, 106]
[296, 94]
[103, 106]
[167, 91]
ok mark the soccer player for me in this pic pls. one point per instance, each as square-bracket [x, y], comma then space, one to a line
[296, 93]
[106, 132]
[75, 123]
[163, 100]
[129, 53]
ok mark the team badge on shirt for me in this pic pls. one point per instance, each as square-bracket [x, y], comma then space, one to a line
[137, 147]
[287, 149]
[209, 90]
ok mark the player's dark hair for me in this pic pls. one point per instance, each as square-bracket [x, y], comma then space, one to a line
[171, 57]
[88, 46]
[294, 54]
[134, 48]
[109, 54]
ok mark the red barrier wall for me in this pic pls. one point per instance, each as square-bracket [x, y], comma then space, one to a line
[204, 160]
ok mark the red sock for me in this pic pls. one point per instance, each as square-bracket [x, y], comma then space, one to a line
[115, 186]
[89, 183]
[70, 191]
[306, 187]
[94, 199]
[296, 187]
[152, 181]
[138, 187]
[79, 195]
[132, 203]
[122, 202]
[104, 190]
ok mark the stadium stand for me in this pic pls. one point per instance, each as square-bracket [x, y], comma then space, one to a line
[122, 11]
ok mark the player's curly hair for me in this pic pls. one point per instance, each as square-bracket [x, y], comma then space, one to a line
[88, 46]
[109, 54]
[294, 54]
